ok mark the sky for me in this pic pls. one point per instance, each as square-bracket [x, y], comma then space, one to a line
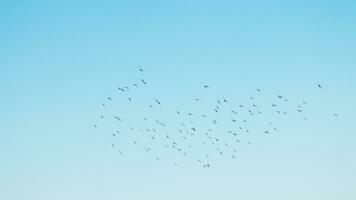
[59, 60]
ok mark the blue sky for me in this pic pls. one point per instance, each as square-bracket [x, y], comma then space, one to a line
[60, 60]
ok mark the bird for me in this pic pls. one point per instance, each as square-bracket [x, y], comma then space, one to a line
[319, 86]
[141, 70]
[206, 86]
[143, 81]
[109, 98]
[158, 102]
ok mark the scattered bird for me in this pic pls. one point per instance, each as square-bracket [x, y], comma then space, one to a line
[143, 81]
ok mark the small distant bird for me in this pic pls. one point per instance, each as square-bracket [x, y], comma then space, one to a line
[95, 126]
[135, 85]
[258, 90]
[129, 99]
[109, 98]
[320, 86]
[158, 102]
[206, 86]
[143, 81]
[141, 70]
[336, 115]
[121, 89]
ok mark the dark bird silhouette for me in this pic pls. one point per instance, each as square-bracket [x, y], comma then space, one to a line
[320, 86]
[206, 86]
[158, 102]
[143, 81]
[109, 98]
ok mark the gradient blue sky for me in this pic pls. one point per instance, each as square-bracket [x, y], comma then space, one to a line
[60, 59]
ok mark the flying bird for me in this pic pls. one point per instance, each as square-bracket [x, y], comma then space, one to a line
[143, 81]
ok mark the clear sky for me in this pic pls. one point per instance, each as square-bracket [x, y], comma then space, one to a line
[59, 61]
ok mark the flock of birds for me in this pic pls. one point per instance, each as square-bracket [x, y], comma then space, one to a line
[203, 135]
